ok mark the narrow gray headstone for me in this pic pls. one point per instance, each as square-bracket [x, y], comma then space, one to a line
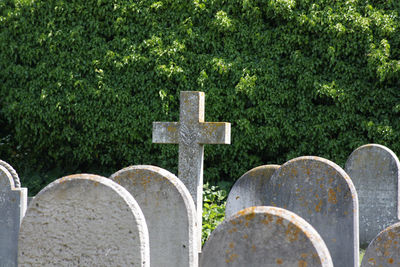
[83, 220]
[250, 190]
[265, 236]
[192, 133]
[375, 172]
[384, 250]
[322, 193]
[13, 203]
[169, 212]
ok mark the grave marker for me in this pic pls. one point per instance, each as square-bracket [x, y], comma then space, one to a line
[13, 173]
[375, 172]
[250, 190]
[265, 236]
[192, 133]
[13, 203]
[322, 193]
[169, 212]
[384, 250]
[83, 220]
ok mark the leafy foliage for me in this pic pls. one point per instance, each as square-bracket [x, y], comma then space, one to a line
[82, 81]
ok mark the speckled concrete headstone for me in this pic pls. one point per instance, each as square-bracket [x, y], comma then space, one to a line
[13, 203]
[250, 190]
[265, 236]
[169, 212]
[384, 250]
[192, 133]
[83, 220]
[322, 193]
[375, 172]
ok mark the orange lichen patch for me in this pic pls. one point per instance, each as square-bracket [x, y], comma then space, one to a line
[321, 186]
[231, 245]
[237, 197]
[334, 240]
[253, 248]
[318, 207]
[279, 221]
[292, 232]
[304, 255]
[332, 196]
[172, 129]
[390, 260]
[245, 236]
[346, 212]
[302, 263]
[279, 261]
[96, 183]
[231, 258]
[233, 230]
[372, 261]
[338, 189]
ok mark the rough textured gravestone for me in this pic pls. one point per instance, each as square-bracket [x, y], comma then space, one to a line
[169, 212]
[265, 236]
[384, 250]
[191, 133]
[250, 190]
[83, 220]
[13, 173]
[13, 203]
[322, 193]
[375, 172]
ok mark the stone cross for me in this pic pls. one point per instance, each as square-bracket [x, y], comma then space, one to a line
[191, 133]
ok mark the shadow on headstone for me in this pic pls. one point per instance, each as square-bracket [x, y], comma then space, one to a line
[250, 189]
[265, 236]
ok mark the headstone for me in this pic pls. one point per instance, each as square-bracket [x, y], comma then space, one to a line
[265, 236]
[250, 190]
[384, 250]
[375, 172]
[13, 173]
[191, 133]
[169, 212]
[322, 193]
[83, 220]
[13, 203]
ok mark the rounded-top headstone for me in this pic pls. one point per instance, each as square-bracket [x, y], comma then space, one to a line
[375, 172]
[13, 172]
[83, 220]
[384, 250]
[265, 236]
[322, 193]
[250, 189]
[169, 212]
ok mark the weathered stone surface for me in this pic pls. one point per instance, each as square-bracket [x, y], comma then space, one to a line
[83, 220]
[322, 193]
[375, 172]
[13, 173]
[169, 212]
[265, 236]
[384, 250]
[13, 202]
[191, 133]
[250, 190]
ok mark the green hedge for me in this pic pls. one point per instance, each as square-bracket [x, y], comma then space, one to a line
[82, 81]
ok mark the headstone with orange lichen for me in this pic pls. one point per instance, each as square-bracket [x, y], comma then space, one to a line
[384, 250]
[322, 193]
[375, 172]
[169, 212]
[265, 236]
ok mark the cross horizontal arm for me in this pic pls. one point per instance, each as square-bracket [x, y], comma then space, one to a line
[166, 132]
[215, 133]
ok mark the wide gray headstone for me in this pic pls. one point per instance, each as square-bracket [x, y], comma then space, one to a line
[192, 133]
[265, 236]
[322, 193]
[375, 172]
[384, 250]
[250, 190]
[169, 212]
[13, 202]
[83, 220]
